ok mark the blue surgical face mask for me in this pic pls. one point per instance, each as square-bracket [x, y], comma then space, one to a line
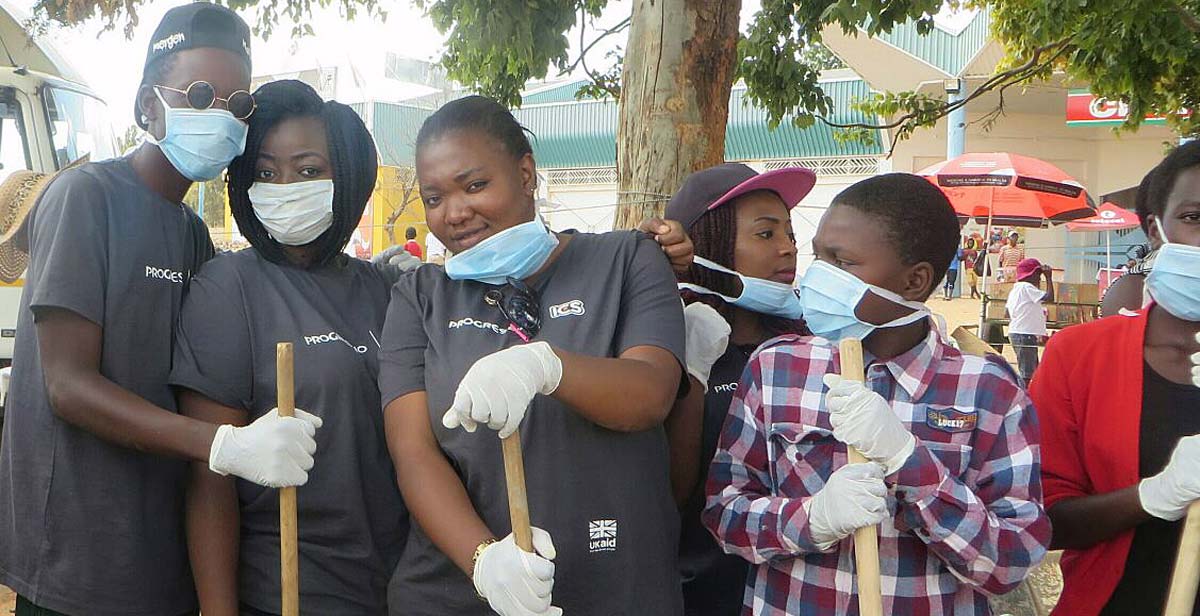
[200, 143]
[758, 295]
[516, 252]
[1174, 283]
[830, 297]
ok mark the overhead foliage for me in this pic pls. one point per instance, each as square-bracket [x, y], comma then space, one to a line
[1144, 53]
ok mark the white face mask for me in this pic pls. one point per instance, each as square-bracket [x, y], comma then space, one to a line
[294, 214]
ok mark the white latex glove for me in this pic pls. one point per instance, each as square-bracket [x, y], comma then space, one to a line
[273, 451]
[499, 387]
[1168, 494]
[707, 337]
[1196, 365]
[862, 419]
[515, 582]
[854, 497]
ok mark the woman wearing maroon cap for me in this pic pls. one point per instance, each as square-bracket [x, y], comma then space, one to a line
[739, 294]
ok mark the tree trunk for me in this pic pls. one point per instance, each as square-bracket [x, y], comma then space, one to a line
[679, 68]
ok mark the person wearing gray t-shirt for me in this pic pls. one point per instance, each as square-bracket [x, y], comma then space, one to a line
[297, 193]
[92, 459]
[573, 340]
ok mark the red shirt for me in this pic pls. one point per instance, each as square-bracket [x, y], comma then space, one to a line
[413, 248]
[1088, 395]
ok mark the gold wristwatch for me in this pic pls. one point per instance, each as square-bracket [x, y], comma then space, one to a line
[483, 545]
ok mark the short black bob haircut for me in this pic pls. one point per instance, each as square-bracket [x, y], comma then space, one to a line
[1156, 187]
[915, 216]
[352, 155]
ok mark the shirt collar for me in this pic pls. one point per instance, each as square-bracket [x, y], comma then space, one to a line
[914, 369]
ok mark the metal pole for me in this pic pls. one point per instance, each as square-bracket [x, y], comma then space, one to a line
[200, 200]
[956, 122]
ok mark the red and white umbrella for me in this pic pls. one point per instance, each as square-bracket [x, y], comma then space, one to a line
[1009, 189]
[1109, 217]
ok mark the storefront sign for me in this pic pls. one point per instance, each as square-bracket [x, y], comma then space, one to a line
[1084, 109]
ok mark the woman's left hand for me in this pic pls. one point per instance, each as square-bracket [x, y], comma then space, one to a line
[499, 387]
[674, 241]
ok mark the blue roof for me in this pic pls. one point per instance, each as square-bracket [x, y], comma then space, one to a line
[570, 133]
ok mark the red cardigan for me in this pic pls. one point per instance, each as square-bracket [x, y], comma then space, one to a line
[1088, 395]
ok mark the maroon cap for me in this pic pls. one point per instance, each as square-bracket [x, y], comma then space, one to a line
[711, 188]
[1027, 268]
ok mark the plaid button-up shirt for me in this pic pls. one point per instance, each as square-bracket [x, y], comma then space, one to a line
[966, 513]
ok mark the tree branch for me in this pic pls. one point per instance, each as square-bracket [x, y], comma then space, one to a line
[1190, 21]
[1002, 80]
[581, 60]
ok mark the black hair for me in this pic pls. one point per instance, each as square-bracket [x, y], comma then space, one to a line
[156, 73]
[477, 113]
[410, 233]
[352, 155]
[714, 237]
[913, 214]
[1156, 187]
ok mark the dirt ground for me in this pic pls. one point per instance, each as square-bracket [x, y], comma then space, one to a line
[1046, 582]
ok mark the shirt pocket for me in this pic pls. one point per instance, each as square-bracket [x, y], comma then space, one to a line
[802, 457]
[955, 457]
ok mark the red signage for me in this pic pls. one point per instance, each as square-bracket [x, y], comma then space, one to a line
[1084, 109]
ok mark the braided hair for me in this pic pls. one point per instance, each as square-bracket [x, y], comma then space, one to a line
[352, 155]
[714, 237]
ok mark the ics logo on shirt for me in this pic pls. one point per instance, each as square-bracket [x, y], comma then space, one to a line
[162, 273]
[573, 308]
[602, 536]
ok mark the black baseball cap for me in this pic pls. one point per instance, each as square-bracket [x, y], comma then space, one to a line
[193, 26]
[711, 188]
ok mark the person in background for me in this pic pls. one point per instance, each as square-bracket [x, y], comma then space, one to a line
[435, 251]
[1116, 400]
[94, 455]
[739, 292]
[1011, 254]
[410, 242]
[952, 477]
[970, 255]
[1027, 314]
[952, 275]
[574, 340]
[297, 194]
[1129, 291]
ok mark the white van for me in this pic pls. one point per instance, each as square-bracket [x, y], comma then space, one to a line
[48, 118]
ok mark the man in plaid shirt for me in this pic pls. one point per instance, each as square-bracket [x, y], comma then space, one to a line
[952, 441]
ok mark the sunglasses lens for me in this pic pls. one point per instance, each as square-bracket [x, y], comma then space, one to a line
[200, 95]
[241, 104]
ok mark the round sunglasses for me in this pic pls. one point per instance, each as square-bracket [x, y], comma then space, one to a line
[202, 95]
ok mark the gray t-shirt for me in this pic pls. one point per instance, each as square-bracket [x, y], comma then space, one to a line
[603, 496]
[87, 526]
[351, 519]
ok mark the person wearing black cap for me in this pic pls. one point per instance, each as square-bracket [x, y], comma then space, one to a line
[739, 294]
[93, 459]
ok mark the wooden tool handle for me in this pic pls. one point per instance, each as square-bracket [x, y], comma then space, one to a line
[518, 500]
[866, 540]
[1186, 576]
[289, 553]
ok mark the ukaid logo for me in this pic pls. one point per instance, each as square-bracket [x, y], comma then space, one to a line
[477, 324]
[169, 42]
[162, 273]
[573, 308]
[602, 536]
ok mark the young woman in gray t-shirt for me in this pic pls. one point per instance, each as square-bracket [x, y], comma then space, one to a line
[573, 339]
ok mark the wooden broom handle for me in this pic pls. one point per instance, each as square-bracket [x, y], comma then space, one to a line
[1186, 576]
[866, 540]
[518, 500]
[288, 534]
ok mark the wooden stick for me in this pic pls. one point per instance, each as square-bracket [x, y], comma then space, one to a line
[518, 500]
[289, 552]
[866, 540]
[1186, 576]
